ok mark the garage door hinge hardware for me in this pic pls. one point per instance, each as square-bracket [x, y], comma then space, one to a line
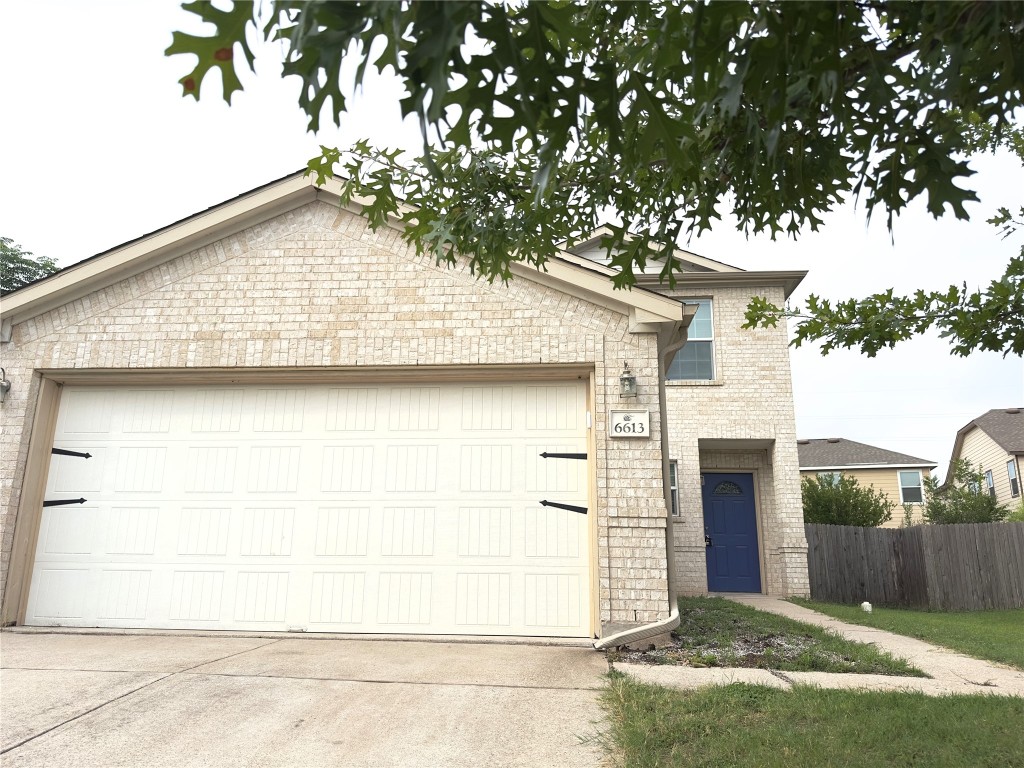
[65, 452]
[570, 507]
[547, 455]
[62, 502]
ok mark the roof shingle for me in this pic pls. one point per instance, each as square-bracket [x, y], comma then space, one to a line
[1005, 426]
[840, 452]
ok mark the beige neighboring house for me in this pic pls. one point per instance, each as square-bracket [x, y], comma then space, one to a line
[268, 417]
[899, 476]
[994, 443]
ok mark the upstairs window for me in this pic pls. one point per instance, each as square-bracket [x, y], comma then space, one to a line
[696, 360]
[1011, 473]
[990, 483]
[910, 487]
[829, 478]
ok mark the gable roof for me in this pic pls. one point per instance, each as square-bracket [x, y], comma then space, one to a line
[696, 271]
[646, 309]
[592, 243]
[1004, 425]
[839, 453]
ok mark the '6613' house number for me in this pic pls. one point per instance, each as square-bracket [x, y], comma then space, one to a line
[629, 424]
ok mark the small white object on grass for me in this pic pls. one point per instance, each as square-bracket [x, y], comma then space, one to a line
[866, 606]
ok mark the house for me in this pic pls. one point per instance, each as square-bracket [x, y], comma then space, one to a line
[993, 443]
[899, 476]
[269, 417]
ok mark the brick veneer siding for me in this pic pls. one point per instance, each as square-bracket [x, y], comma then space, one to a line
[315, 287]
[750, 399]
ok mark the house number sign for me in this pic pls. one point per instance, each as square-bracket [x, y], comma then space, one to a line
[629, 424]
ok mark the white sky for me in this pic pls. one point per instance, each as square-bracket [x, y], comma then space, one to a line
[95, 124]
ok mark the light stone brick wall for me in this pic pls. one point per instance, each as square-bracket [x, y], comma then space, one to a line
[315, 287]
[751, 399]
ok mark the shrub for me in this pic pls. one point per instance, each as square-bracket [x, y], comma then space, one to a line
[1017, 514]
[964, 500]
[842, 501]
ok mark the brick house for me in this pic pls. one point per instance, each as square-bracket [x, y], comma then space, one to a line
[294, 423]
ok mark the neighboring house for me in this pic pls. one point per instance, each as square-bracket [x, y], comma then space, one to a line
[994, 443]
[297, 424]
[899, 476]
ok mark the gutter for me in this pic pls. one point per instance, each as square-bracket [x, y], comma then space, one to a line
[675, 342]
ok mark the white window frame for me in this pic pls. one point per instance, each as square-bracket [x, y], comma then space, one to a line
[673, 486]
[990, 483]
[708, 339]
[832, 477]
[1011, 475]
[920, 484]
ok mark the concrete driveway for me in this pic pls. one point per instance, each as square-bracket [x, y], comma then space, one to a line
[100, 700]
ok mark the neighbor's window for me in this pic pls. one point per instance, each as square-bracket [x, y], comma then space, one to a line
[673, 485]
[990, 483]
[1011, 472]
[831, 478]
[696, 360]
[910, 487]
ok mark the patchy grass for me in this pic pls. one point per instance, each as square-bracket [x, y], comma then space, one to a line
[747, 726]
[715, 632]
[993, 635]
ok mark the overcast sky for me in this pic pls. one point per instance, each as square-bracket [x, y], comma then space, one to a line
[99, 147]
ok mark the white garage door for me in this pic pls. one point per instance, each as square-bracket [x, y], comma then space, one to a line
[328, 508]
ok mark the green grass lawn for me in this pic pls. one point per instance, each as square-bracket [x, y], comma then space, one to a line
[743, 726]
[715, 632]
[993, 635]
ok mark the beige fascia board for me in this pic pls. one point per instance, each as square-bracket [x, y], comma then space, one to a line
[787, 279]
[853, 467]
[194, 232]
[593, 286]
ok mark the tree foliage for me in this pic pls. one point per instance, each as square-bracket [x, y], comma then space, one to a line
[18, 267]
[843, 501]
[963, 500]
[541, 118]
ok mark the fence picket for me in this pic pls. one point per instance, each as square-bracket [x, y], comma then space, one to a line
[946, 567]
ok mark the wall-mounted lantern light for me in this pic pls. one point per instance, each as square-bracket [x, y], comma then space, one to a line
[5, 385]
[627, 382]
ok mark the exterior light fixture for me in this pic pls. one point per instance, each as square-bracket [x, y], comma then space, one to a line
[5, 385]
[627, 382]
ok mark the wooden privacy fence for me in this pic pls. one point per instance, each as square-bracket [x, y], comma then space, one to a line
[968, 567]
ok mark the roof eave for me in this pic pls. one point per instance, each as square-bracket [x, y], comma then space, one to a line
[788, 280]
[647, 309]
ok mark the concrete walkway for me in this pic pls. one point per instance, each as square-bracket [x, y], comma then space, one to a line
[951, 672]
[138, 700]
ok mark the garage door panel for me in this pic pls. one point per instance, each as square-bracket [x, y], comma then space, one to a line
[333, 508]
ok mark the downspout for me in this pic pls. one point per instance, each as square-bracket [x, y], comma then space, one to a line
[676, 339]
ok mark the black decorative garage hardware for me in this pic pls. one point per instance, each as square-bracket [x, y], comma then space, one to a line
[547, 455]
[66, 452]
[570, 507]
[62, 502]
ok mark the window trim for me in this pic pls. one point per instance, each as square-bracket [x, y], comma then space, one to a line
[673, 486]
[919, 486]
[1011, 475]
[697, 300]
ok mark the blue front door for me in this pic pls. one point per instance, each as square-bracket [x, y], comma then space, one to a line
[730, 532]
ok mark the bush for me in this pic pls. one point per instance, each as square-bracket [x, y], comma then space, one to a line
[965, 500]
[1017, 515]
[842, 501]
